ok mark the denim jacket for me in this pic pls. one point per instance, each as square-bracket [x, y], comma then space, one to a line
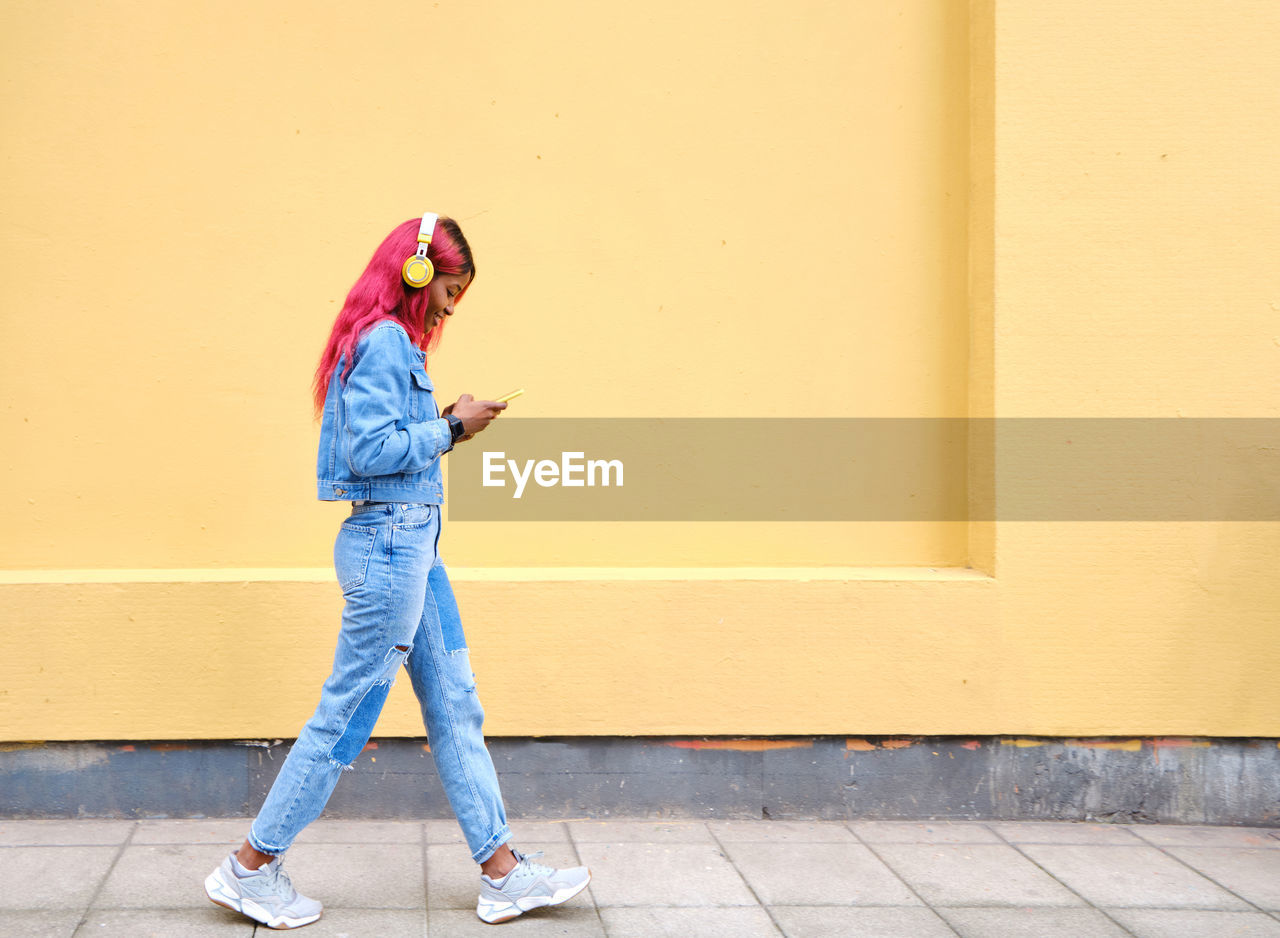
[381, 435]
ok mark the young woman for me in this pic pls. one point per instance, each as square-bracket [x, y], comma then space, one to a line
[381, 440]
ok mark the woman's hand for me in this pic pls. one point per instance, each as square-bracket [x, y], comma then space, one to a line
[475, 415]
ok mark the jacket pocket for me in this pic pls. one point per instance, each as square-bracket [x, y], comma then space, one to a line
[422, 402]
[351, 553]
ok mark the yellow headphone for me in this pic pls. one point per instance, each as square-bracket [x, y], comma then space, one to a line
[417, 270]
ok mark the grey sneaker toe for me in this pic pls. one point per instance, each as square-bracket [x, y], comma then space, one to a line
[267, 896]
[528, 886]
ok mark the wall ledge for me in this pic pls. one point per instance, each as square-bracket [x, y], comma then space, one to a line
[502, 574]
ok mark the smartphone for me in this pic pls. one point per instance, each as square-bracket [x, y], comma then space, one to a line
[511, 396]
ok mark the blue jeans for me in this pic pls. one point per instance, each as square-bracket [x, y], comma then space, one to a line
[399, 610]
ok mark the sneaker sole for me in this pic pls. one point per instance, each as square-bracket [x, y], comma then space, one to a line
[496, 913]
[220, 894]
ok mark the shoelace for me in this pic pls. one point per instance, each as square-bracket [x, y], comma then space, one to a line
[278, 878]
[535, 868]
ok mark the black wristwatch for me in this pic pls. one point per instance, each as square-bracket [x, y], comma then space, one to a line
[456, 431]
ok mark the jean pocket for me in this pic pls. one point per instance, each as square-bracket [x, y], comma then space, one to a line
[415, 516]
[351, 553]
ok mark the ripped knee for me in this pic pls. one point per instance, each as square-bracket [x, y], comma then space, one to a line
[393, 659]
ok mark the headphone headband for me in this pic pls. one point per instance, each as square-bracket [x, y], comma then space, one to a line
[427, 229]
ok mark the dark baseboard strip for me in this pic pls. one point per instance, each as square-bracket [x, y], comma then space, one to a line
[1189, 780]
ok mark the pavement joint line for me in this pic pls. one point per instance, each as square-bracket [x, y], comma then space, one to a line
[102, 883]
[826, 905]
[200, 906]
[577, 858]
[1252, 905]
[813, 905]
[751, 889]
[423, 840]
[1084, 899]
[911, 889]
[1181, 908]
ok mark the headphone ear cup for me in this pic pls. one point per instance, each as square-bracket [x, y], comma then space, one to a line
[417, 271]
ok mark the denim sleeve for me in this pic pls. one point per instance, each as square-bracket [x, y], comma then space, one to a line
[375, 397]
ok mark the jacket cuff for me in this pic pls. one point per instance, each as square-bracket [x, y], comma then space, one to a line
[446, 434]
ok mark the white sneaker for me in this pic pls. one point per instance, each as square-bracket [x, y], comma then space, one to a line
[266, 895]
[526, 887]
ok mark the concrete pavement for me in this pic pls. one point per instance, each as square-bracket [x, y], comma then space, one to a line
[655, 878]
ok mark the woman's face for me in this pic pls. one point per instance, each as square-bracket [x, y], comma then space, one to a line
[441, 293]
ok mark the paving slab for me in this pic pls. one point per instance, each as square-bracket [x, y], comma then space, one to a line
[231, 832]
[208, 921]
[228, 831]
[807, 832]
[818, 874]
[52, 877]
[160, 876]
[359, 876]
[663, 874]
[1196, 923]
[975, 875]
[443, 832]
[364, 923]
[645, 832]
[923, 832]
[829, 921]
[1183, 835]
[1031, 923]
[563, 921]
[1251, 873]
[1064, 832]
[720, 922]
[453, 878]
[448, 832]
[540, 832]
[1129, 877]
[63, 833]
[326, 831]
[33, 924]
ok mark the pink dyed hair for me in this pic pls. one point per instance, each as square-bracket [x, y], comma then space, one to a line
[381, 293]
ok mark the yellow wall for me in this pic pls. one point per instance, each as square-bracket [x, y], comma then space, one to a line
[892, 209]
[676, 209]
